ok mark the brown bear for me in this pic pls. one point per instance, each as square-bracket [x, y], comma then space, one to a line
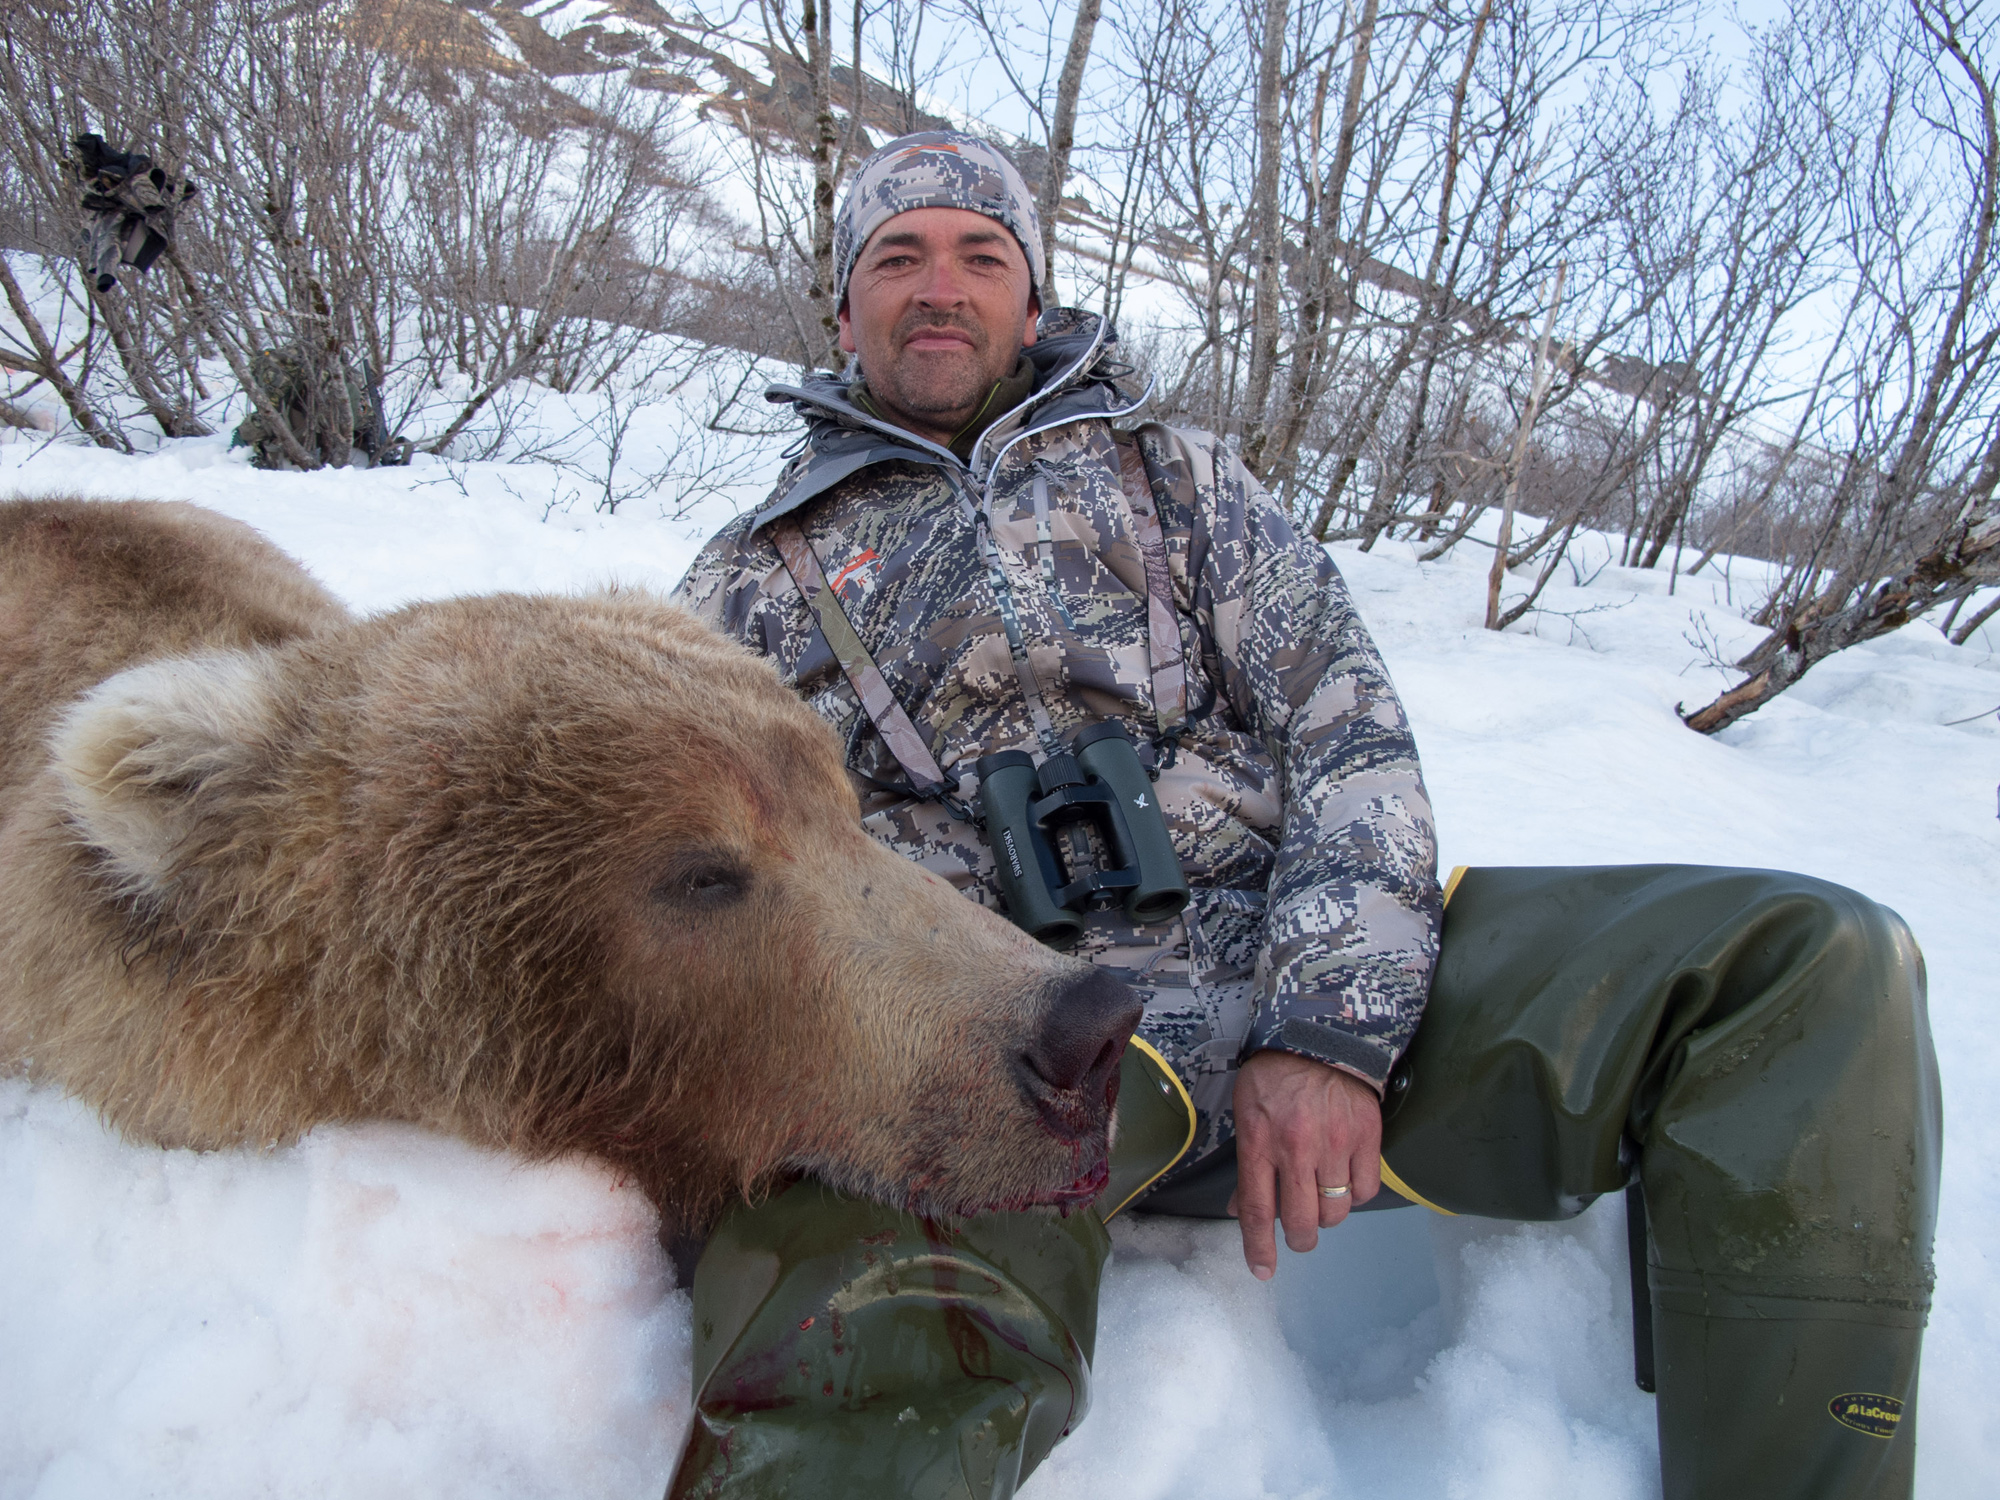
[550, 873]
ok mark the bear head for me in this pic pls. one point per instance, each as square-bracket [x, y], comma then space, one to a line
[554, 874]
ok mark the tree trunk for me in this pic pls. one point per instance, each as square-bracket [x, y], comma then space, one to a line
[1062, 137]
[1270, 228]
[139, 370]
[1549, 566]
[1435, 299]
[1304, 380]
[50, 368]
[1535, 386]
[818, 25]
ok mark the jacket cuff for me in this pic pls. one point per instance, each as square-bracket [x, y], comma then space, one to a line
[1325, 1044]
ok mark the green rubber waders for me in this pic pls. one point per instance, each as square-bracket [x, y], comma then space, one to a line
[1156, 1123]
[1769, 1404]
[1755, 1046]
[845, 1350]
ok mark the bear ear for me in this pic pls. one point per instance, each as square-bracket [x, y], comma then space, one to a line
[143, 755]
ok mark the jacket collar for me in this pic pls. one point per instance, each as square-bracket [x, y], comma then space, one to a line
[841, 439]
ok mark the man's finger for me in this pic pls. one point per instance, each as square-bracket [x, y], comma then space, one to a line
[1335, 1172]
[1298, 1189]
[1366, 1174]
[1256, 1207]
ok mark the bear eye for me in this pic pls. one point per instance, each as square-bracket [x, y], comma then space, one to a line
[706, 884]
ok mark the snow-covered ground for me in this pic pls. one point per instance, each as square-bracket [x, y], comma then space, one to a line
[381, 1311]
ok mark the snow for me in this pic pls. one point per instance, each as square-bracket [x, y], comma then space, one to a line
[328, 1319]
[381, 1310]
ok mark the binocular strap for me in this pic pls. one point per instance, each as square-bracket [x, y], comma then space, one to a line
[902, 737]
[1017, 645]
[1163, 631]
[905, 741]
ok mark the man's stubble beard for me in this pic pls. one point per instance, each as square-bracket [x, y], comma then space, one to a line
[937, 385]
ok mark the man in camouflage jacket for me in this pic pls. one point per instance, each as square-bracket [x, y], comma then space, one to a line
[1293, 797]
[1018, 555]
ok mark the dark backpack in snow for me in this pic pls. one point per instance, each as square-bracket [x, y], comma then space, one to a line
[318, 400]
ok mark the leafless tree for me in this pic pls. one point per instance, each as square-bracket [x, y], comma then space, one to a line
[1021, 43]
[1330, 225]
[1909, 413]
[366, 213]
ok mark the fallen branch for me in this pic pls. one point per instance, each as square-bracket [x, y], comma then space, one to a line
[15, 416]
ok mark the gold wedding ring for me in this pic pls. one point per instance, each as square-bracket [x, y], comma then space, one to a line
[1334, 1192]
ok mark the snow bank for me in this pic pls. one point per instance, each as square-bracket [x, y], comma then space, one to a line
[376, 1311]
[380, 1310]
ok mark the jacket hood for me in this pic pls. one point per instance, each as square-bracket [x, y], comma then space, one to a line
[1076, 376]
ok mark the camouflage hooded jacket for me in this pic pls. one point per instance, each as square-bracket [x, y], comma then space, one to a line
[1295, 803]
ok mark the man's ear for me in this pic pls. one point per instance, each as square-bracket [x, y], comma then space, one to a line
[1029, 333]
[146, 757]
[847, 344]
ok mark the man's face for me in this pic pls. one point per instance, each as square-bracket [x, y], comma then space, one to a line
[939, 306]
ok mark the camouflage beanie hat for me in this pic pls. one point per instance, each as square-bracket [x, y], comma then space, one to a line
[933, 169]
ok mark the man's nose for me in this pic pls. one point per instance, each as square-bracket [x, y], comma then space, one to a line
[943, 285]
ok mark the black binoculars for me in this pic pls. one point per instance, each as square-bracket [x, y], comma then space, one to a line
[1079, 833]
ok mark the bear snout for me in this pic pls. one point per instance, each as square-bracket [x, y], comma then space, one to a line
[1069, 1070]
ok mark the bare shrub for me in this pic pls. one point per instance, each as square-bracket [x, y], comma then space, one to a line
[379, 206]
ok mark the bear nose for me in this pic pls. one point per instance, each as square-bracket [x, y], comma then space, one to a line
[1084, 1032]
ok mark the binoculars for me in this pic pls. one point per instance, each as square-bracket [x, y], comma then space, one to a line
[1079, 833]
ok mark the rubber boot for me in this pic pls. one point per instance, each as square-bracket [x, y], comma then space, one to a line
[1744, 1409]
[843, 1349]
[1755, 1045]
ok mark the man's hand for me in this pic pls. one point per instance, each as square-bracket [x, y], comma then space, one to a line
[1300, 1126]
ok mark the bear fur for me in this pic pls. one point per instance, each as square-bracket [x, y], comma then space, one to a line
[552, 874]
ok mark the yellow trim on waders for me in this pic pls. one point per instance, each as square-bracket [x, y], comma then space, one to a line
[1187, 1105]
[1402, 1189]
[1390, 1180]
